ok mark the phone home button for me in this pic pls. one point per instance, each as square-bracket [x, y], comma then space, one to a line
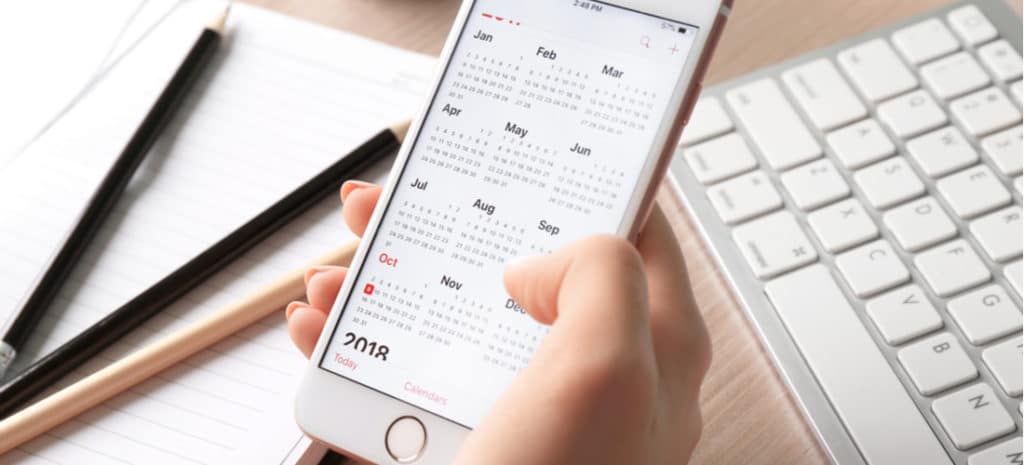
[405, 439]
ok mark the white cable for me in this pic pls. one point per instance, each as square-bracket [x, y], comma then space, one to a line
[117, 39]
[101, 71]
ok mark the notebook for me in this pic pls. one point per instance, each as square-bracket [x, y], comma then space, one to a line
[281, 100]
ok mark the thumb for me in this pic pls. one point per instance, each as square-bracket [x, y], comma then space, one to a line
[599, 281]
[591, 377]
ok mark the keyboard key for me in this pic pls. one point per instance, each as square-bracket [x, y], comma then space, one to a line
[815, 184]
[925, 41]
[1017, 89]
[773, 125]
[720, 158]
[1014, 273]
[941, 152]
[842, 225]
[1000, 234]
[1018, 184]
[1001, 59]
[919, 224]
[1006, 150]
[774, 244]
[971, 25]
[954, 75]
[1005, 453]
[973, 191]
[972, 416]
[708, 120]
[985, 111]
[985, 314]
[861, 143]
[889, 183]
[951, 268]
[744, 197]
[872, 268]
[903, 314]
[876, 71]
[911, 114]
[852, 371]
[823, 94]
[1005, 361]
[937, 363]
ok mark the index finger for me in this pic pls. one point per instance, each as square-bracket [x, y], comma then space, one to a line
[358, 199]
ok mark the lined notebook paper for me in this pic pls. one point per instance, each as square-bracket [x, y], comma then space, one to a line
[49, 70]
[282, 100]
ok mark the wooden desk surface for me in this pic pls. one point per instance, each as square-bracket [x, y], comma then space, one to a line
[749, 416]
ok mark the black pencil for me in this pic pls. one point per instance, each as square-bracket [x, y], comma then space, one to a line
[46, 371]
[22, 322]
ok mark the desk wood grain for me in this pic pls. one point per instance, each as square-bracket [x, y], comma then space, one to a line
[749, 415]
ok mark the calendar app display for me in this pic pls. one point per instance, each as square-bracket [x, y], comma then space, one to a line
[536, 137]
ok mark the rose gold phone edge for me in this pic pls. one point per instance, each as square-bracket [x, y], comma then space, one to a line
[637, 212]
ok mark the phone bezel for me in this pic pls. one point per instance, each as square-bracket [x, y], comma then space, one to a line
[354, 418]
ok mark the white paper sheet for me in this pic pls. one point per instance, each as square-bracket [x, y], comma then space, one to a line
[51, 49]
[282, 100]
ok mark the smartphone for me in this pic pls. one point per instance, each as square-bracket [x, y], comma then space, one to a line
[551, 120]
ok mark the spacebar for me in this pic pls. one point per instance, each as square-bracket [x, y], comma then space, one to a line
[865, 393]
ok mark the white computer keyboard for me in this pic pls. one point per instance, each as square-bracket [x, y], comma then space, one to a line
[865, 202]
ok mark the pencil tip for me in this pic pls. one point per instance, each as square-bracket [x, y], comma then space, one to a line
[400, 129]
[218, 23]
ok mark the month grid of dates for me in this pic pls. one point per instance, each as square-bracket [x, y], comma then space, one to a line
[388, 303]
[582, 190]
[455, 152]
[520, 163]
[457, 318]
[488, 240]
[422, 226]
[511, 346]
[619, 109]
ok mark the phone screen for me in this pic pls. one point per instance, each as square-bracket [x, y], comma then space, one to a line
[536, 137]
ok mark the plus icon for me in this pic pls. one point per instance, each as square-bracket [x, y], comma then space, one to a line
[674, 49]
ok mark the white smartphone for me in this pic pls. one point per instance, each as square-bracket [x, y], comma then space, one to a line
[551, 120]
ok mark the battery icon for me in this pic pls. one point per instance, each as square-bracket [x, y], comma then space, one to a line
[682, 30]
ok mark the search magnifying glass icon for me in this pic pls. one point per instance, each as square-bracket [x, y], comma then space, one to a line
[645, 42]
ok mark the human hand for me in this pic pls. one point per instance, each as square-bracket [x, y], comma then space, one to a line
[306, 320]
[616, 380]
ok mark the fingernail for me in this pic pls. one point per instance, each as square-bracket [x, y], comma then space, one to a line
[351, 186]
[314, 270]
[292, 307]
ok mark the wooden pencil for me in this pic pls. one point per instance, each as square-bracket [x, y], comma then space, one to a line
[152, 359]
